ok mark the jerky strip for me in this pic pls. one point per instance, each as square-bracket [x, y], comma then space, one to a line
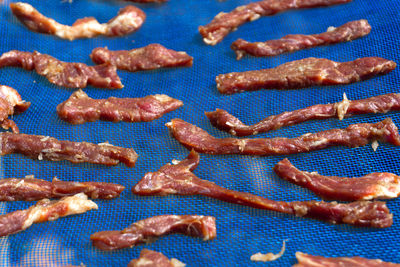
[304, 73]
[45, 210]
[153, 56]
[128, 20]
[224, 23]
[80, 108]
[44, 147]
[10, 103]
[179, 179]
[293, 42]
[150, 258]
[148, 229]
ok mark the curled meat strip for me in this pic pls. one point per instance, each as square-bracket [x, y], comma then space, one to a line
[10, 103]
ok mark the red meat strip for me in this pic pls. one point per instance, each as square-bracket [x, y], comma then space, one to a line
[153, 56]
[304, 73]
[148, 229]
[45, 147]
[150, 258]
[74, 75]
[224, 23]
[10, 103]
[179, 179]
[45, 210]
[293, 42]
[354, 135]
[306, 260]
[224, 121]
[80, 108]
[128, 20]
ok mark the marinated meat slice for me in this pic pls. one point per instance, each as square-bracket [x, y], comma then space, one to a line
[293, 42]
[380, 185]
[178, 179]
[150, 258]
[80, 108]
[354, 135]
[224, 121]
[304, 73]
[154, 227]
[306, 260]
[224, 23]
[29, 189]
[153, 56]
[10, 103]
[44, 147]
[128, 20]
[74, 75]
[43, 211]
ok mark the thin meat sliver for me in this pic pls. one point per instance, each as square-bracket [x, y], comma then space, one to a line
[150, 258]
[269, 256]
[10, 103]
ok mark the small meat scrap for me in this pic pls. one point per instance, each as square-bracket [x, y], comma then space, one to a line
[304, 73]
[148, 229]
[354, 135]
[224, 121]
[150, 258]
[43, 211]
[128, 20]
[80, 108]
[10, 103]
[269, 256]
[44, 147]
[153, 56]
[224, 23]
[293, 42]
[306, 260]
[180, 180]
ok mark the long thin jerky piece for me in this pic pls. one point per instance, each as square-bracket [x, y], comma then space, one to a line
[150, 258]
[304, 73]
[10, 103]
[179, 179]
[154, 227]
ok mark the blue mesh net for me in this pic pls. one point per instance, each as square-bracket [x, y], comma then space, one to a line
[242, 231]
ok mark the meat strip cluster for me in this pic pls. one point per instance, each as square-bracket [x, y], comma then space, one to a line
[150, 258]
[80, 108]
[178, 179]
[10, 103]
[128, 20]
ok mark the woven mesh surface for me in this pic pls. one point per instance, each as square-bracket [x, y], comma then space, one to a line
[241, 231]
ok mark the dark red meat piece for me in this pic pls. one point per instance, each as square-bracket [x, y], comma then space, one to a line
[10, 103]
[150, 258]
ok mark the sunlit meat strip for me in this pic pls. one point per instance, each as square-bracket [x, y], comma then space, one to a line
[150, 258]
[10, 103]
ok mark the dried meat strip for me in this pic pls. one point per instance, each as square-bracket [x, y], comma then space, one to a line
[293, 42]
[304, 73]
[224, 121]
[179, 179]
[80, 108]
[378, 185]
[43, 211]
[74, 75]
[224, 23]
[148, 229]
[150, 258]
[128, 20]
[306, 260]
[29, 189]
[10, 103]
[354, 135]
[44, 147]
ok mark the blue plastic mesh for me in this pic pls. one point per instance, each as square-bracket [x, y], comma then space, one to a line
[242, 231]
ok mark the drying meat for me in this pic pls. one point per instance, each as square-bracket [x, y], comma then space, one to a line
[43, 211]
[80, 108]
[29, 189]
[128, 20]
[153, 56]
[293, 42]
[380, 185]
[44, 147]
[304, 73]
[354, 135]
[10, 103]
[224, 121]
[150, 258]
[148, 229]
[179, 179]
[306, 260]
[224, 23]
[74, 75]
[269, 256]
